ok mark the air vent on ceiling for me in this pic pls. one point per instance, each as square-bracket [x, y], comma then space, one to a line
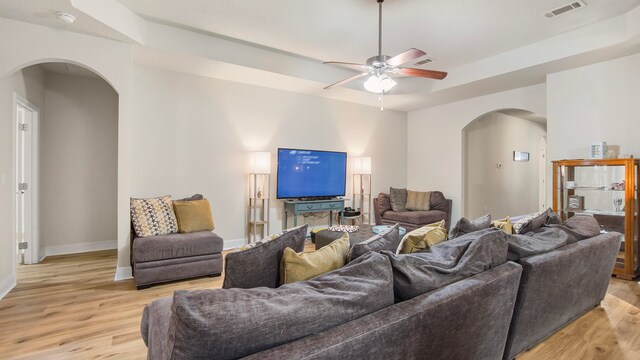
[565, 9]
[424, 61]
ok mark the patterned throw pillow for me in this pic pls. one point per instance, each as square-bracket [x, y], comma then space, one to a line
[529, 222]
[153, 216]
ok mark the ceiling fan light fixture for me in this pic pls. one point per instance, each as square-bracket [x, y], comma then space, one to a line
[379, 84]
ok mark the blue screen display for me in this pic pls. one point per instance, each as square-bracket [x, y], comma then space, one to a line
[311, 173]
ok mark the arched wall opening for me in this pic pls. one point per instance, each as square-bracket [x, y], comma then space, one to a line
[113, 61]
[494, 182]
[74, 158]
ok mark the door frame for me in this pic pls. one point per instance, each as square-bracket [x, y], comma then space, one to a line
[34, 244]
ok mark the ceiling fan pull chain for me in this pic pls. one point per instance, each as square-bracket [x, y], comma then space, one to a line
[380, 99]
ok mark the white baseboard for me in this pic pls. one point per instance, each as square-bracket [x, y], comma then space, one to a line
[123, 273]
[81, 247]
[233, 243]
[8, 283]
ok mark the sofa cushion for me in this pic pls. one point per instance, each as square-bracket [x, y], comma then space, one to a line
[503, 224]
[193, 215]
[438, 201]
[530, 222]
[192, 197]
[153, 216]
[580, 227]
[465, 226]
[423, 238]
[260, 265]
[415, 217]
[384, 203]
[302, 266]
[447, 262]
[388, 241]
[172, 246]
[418, 200]
[552, 218]
[398, 199]
[232, 323]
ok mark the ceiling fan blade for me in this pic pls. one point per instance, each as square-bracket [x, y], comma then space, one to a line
[345, 80]
[405, 57]
[348, 64]
[431, 74]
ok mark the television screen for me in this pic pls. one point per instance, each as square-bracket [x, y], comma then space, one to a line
[311, 173]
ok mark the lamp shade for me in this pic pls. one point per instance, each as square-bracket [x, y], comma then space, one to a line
[379, 84]
[260, 162]
[362, 165]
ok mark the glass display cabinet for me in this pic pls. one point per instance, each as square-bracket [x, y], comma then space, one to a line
[607, 190]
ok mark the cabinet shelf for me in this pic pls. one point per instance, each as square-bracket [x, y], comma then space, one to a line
[602, 202]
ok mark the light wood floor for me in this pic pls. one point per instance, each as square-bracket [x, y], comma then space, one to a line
[68, 307]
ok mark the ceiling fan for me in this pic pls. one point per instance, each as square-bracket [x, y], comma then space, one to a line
[382, 68]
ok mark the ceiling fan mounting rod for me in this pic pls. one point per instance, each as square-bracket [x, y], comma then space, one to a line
[380, 27]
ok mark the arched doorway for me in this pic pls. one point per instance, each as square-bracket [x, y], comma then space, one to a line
[503, 159]
[73, 156]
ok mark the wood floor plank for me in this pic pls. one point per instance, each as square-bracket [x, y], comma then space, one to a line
[69, 307]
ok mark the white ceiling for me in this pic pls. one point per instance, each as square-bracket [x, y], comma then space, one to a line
[487, 46]
[454, 32]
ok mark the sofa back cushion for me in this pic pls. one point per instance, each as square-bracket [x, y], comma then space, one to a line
[260, 265]
[465, 226]
[388, 241]
[398, 199]
[232, 323]
[300, 266]
[447, 262]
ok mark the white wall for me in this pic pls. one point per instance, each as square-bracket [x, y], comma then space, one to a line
[594, 103]
[434, 150]
[29, 84]
[192, 135]
[79, 165]
[494, 183]
[110, 59]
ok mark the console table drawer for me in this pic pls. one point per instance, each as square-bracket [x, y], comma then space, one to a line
[308, 207]
[337, 205]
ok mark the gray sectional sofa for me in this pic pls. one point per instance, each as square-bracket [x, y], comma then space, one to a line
[461, 300]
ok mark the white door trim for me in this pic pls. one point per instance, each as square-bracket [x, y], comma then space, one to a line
[34, 257]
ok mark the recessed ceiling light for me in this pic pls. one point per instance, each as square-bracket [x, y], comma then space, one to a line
[66, 17]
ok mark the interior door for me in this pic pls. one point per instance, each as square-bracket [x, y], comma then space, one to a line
[26, 219]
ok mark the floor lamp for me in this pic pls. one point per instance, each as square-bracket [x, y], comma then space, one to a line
[362, 187]
[259, 195]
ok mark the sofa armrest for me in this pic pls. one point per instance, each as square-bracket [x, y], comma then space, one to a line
[559, 286]
[376, 212]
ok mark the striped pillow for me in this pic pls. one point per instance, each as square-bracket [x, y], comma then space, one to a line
[418, 201]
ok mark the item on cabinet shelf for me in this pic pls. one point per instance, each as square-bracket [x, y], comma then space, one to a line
[610, 154]
[598, 150]
[344, 228]
[617, 204]
[617, 186]
[571, 184]
[625, 156]
[576, 203]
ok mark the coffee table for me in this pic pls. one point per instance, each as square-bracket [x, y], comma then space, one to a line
[325, 237]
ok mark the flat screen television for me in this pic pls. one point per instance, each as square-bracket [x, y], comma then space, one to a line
[311, 174]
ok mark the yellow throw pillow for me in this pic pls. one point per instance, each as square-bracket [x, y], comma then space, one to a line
[306, 265]
[423, 238]
[418, 200]
[194, 215]
[504, 225]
